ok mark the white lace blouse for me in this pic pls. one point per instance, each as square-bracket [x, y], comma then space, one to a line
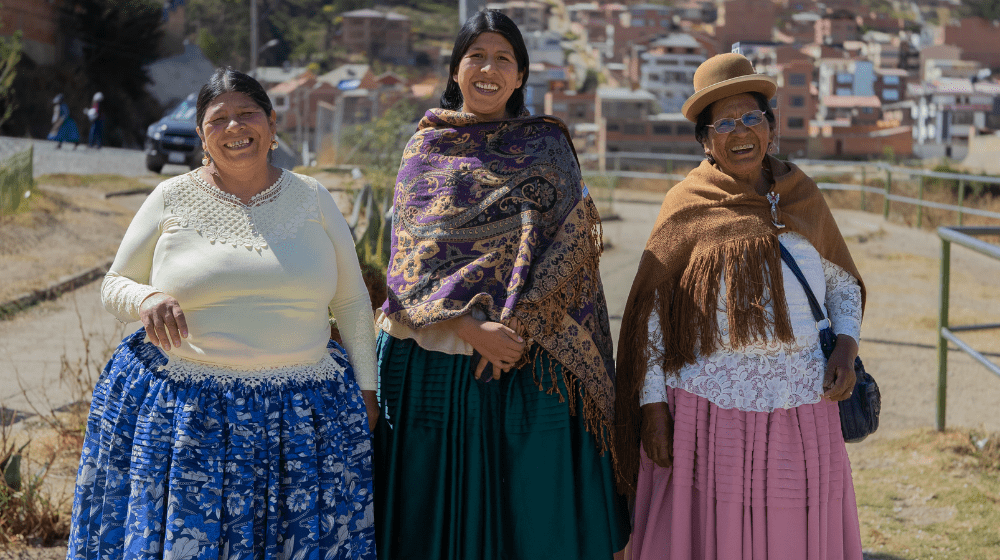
[765, 376]
[254, 280]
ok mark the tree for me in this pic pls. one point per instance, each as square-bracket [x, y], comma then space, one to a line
[113, 41]
[986, 9]
[10, 55]
[116, 39]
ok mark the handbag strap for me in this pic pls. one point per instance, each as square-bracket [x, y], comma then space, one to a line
[817, 311]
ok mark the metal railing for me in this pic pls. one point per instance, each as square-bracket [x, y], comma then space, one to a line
[963, 236]
[963, 179]
[614, 161]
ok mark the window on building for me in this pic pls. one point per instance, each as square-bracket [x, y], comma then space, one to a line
[663, 129]
[796, 79]
[654, 77]
[685, 129]
[796, 122]
[962, 117]
[638, 22]
[635, 128]
[613, 127]
[890, 80]
[890, 95]
[797, 101]
[844, 91]
[845, 78]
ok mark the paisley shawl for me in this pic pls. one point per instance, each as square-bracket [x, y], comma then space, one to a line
[495, 216]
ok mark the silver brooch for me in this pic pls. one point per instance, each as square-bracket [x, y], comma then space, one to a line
[773, 198]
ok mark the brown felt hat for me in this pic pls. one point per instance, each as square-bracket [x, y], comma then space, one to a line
[721, 76]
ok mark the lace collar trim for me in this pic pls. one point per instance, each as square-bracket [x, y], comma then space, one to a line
[221, 217]
[270, 194]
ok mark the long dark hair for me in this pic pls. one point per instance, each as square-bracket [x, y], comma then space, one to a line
[483, 22]
[226, 80]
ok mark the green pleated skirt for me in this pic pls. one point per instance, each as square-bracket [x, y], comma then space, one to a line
[467, 470]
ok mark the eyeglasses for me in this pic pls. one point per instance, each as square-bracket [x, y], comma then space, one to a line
[725, 126]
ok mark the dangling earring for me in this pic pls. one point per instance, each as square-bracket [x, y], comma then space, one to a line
[206, 159]
[274, 145]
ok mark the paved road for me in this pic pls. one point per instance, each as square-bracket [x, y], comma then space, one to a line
[82, 160]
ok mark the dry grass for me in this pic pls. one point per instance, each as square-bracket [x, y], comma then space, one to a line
[930, 495]
[940, 191]
[36, 510]
[101, 182]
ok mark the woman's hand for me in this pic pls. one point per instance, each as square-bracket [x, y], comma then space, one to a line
[371, 408]
[497, 344]
[164, 321]
[657, 433]
[839, 380]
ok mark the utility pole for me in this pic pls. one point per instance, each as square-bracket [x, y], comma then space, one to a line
[253, 38]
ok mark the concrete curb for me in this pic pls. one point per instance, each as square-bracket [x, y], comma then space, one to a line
[65, 284]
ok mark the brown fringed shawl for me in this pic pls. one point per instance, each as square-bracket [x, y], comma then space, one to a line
[494, 215]
[709, 226]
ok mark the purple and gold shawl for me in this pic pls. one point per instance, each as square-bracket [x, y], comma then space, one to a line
[495, 215]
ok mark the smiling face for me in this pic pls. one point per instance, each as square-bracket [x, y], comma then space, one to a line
[739, 153]
[236, 133]
[487, 75]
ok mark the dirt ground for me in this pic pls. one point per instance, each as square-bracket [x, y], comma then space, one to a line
[77, 228]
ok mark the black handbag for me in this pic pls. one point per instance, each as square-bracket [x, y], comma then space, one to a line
[859, 412]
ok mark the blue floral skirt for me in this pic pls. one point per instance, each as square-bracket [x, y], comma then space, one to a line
[247, 465]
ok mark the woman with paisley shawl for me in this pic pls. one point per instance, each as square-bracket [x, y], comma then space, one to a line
[727, 426]
[495, 352]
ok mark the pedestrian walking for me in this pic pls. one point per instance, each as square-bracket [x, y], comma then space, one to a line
[63, 126]
[96, 116]
[231, 426]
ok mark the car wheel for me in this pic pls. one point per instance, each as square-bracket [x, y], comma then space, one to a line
[154, 164]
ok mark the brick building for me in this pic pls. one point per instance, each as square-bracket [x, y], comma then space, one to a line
[38, 22]
[380, 35]
[979, 40]
[745, 20]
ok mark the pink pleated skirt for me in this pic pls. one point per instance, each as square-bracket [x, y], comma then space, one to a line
[748, 485]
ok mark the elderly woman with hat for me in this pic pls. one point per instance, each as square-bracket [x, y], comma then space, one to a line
[727, 423]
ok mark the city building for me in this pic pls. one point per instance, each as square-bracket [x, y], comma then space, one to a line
[544, 46]
[948, 111]
[380, 35]
[745, 20]
[38, 22]
[630, 121]
[666, 69]
[528, 15]
[836, 27]
[979, 40]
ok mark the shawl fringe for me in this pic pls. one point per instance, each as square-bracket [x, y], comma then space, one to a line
[710, 227]
[580, 287]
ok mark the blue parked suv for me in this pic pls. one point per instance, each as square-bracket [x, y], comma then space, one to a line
[173, 139]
